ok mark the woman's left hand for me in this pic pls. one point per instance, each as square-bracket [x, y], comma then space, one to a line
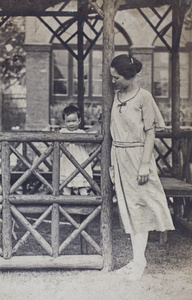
[143, 174]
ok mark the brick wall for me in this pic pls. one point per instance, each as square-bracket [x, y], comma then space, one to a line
[38, 87]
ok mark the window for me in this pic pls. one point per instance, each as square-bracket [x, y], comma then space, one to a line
[86, 77]
[60, 72]
[184, 75]
[97, 73]
[161, 74]
[65, 75]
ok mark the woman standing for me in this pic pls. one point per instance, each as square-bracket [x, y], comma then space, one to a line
[141, 199]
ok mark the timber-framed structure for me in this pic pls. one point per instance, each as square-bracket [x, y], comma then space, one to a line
[15, 205]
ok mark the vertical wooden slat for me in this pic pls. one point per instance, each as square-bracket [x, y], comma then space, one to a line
[24, 150]
[106, 213]
[6, 212]
[1, 106]
[177, 21]
[84, 247]
[81, 15]
[55, 209]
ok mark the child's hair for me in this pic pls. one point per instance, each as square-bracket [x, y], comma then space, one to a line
[126, 66]
[71, 109]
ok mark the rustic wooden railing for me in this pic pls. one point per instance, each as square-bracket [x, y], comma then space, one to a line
[164, 154]
[38, 160]
[175, 166]
[31, 191]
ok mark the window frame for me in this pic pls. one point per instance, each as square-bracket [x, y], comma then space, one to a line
[70, 96]
[161, 50]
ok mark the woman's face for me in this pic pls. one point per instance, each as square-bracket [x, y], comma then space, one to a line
[118, 80]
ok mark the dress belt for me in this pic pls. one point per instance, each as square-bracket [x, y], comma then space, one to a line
[127, 144]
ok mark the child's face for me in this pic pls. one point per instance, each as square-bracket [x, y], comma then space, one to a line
[72, 122]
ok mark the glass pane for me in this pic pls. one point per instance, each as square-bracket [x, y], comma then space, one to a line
[75, 88]
[97, 88]
[97, 58]
[75, 71]
[60, 61]
[60, 87]
[86, 88]
[60, 72]
[184, 75]
[86, 72]
[86, 68]
[86, 76]
[161, 74]
[97, 72]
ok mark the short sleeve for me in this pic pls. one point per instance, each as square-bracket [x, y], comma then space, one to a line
[151, 114]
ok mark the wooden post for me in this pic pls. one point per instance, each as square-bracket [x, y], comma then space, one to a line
[1, 106]
[6, 212]
[106, 186]
[81, 13]
[177, 18]
[55, 209]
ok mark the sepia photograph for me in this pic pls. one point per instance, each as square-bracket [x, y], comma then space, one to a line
[96, 149]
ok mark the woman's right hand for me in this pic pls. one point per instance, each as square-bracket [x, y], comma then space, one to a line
[143, 174]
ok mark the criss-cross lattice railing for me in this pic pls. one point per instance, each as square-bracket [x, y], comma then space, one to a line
[163, 154]
[32, 195]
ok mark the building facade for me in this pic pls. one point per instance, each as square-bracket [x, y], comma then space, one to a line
[52, 69]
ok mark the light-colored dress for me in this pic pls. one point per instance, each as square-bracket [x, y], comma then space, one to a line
[67, 168]
[142, 207]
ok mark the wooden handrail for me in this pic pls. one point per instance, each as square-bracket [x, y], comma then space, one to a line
[24, 136]
[47, 136]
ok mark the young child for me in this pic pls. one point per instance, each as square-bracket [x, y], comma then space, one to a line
[72, 120]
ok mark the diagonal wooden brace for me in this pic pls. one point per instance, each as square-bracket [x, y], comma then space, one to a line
[80, 230]
[31, 169]
[24, 238]
[80, 168]
[31, 229]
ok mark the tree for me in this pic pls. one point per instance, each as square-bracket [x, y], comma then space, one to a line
[12, 53]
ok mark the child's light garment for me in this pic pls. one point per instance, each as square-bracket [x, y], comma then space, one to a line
[142, 207]
[66, 167]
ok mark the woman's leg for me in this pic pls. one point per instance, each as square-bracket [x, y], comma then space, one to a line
[139, 243]
[136, 267]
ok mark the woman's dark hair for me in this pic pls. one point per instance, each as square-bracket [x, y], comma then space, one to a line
[71, 109]
[126, 65]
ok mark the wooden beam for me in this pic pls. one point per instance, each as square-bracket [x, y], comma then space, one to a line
[55, 210]
[84, 234]
[31, 229]
[131, 4]
[50, 137]
[62, 262]
[6, 212]
[79, 229]
[177, 20]
[72, 210]
[93, 183]
[106, 186]
[96, 8]
[24, 238]
[48, 199]
[82, 15]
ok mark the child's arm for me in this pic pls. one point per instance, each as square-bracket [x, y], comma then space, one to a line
[143, 172]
